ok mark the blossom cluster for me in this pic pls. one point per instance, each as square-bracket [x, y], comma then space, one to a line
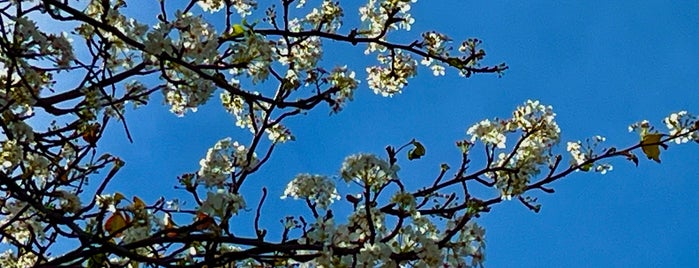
[346, 83]
[253, 116]
[418, 235]
[255, 54]
[436, 45]
[327, 18]
[540, 133]
[366, 226]
[375, 14]
[368, 170]
[316, 188]
[682, 125]
[220, 201]
[392, 75]
[222, 160]
[25, 259]
[585, 152]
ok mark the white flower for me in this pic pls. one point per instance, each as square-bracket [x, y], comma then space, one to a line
[25, 259]
[404, 200]
[316, 188]
[488, 132]
[222, 160]
[374, 254]
[679, 124]
[211, 5]
[70, 202]
[244, 7]
[10, 156]
[390, 77]
[575, 151]
[136, 233]
[368, 169]
[218, 202]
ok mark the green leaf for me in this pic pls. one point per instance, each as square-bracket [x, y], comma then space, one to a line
[586, 167]
[236, 31]
[444, 167]
[650, 146]
[416, 152]
[98, 260]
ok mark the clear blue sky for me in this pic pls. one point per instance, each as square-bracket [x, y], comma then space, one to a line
[602, 66]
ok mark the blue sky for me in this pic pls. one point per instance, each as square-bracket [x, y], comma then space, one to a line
[602, 66]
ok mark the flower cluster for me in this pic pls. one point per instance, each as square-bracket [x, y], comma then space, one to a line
[681, 124]
[69, 201]
[21, 220]
[540, 133]
[469, 243]
[375, 14]
[57, 47]
[24, 259]
[222, 160]
[243, 7]
[122, 55]
[302, 54]
[583, 152]
[316, 188]
[10, 156]
[436, 45]
[252, 118]
[346, 83]
[195, 42]
[490, 133]
[255, 53]
[373, 254]
[219, 202]
[328, 18]
[417, 235]
[368, 170]
[390, 77]
[210, 5]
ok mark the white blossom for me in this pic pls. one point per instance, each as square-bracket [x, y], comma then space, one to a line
[222, 160]
[220, 201]
[316, 188]
[70, 202]
[368, 169]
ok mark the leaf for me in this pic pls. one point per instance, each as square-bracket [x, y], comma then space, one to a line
[631, 157]
[90, 134]
[169, 224]
[416, 152]
[138, 204]
[203, 221]
[586, 167]
[236, 31]
[118, 197]
[444, 167]
[97, 260]
[650, 146]
[115, 223]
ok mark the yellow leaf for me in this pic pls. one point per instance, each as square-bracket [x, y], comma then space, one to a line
[118, 197]
[169, 224]
[236, 31]
[138, 203]
[115, 223]
[650, 146]
[586, 167]
[90, 134]
[203, 221]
